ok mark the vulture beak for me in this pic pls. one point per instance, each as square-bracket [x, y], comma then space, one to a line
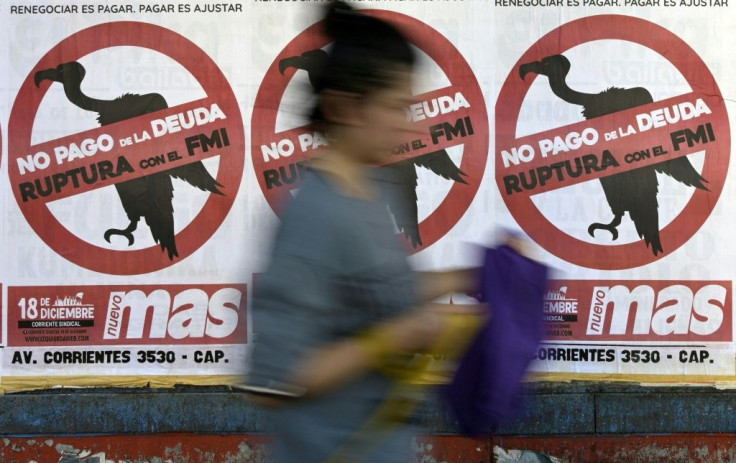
[294, 61]
[47, 74]
[535, 66]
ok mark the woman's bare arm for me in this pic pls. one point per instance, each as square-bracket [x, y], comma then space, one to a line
[339, 363]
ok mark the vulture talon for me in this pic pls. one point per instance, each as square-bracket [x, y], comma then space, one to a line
[128, 232]
[600, 226]
[124, 233]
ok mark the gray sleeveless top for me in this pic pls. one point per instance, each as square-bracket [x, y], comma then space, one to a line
[337, 268]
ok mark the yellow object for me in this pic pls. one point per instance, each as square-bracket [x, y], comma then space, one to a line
[436, 364]
[413, 372]
[376, 346]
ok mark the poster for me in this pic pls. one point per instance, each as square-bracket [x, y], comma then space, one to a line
[629, 174]
[147, 149]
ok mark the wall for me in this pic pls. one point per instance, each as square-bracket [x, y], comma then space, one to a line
[580, 422]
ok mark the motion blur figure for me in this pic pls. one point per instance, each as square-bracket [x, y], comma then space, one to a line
[339, 308]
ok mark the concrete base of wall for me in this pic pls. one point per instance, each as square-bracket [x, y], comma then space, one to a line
[582, 422]
[200, 448]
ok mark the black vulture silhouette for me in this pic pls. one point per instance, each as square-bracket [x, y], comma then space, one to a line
[634, 191]
[399, 178]
[149, 197]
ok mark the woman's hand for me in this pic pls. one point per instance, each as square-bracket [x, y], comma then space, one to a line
[418, 330]
[411, 332]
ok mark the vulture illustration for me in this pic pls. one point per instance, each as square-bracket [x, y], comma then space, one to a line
[399, 178]
[634, 191]
[148, 197]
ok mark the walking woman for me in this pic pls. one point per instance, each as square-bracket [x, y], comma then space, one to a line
[339, 301]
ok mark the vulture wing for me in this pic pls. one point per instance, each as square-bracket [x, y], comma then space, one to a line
[681, 170]
[196, 175]
[615, 99]
[159, 211]
[641, 195]
[130, 105]
[400, 183]
[440, 163]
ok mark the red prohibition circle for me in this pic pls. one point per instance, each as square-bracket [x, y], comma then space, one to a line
[229, 174]
[458, 72]
[693, 69]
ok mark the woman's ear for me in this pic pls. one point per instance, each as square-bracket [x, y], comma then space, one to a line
[341, 108]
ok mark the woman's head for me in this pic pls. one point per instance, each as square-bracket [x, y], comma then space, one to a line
[364, 85]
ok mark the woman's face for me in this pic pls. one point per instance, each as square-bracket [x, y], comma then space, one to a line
[381, 119]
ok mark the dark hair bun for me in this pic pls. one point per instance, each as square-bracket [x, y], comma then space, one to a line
[340, 20]
[363, 56]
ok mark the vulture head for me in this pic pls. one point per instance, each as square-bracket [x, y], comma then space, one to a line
[313, 59]
[555, 67]
[69, 74]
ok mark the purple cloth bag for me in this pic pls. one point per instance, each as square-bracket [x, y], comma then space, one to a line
[487, 385]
